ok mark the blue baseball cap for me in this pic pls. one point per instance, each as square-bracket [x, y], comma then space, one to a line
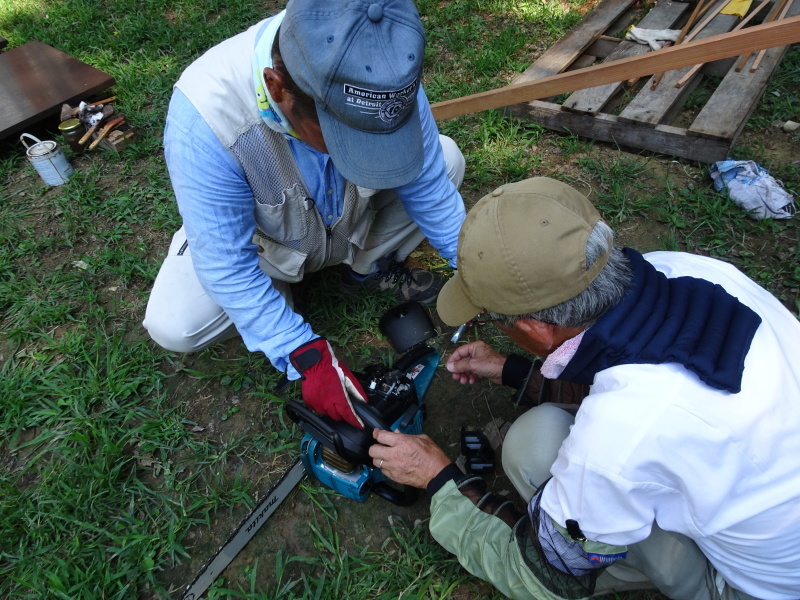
[361, 62]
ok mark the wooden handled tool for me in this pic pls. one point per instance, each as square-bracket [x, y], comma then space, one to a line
[734, 43]
[116, 122]
[104, 101]
[89, 133]
[108, 110]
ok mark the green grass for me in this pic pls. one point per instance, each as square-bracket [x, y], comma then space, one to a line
[110, 468]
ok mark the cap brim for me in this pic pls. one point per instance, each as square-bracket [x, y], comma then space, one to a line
[453, 305]
[378, 161]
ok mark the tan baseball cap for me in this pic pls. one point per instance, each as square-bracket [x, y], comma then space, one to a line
[522, 248]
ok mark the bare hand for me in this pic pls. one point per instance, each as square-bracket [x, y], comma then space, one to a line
[474, 361]
[407, 459]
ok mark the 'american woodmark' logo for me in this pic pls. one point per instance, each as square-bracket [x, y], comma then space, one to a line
[388, 106]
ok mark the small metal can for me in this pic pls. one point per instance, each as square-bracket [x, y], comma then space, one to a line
[48, 160]
[72, 130]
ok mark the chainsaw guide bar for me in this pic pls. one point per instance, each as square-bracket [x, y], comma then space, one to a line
[244, 532]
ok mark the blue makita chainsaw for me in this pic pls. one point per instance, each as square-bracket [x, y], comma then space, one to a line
[335, 452]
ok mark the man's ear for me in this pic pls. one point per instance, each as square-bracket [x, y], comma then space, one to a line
[544, 333]
[275, 84]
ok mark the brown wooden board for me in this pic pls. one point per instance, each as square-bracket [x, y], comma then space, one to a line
[665, 139]
[647, 121]
[664, 15]
[37, 79]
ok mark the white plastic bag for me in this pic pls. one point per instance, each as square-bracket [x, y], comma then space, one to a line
[753, 188]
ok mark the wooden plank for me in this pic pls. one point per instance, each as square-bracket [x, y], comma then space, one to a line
[654, 106]
[776, 9]
[662, 16]
[700, 9]
[38, 79]
[779, 33]
[583, 61]
[741, 24]
[664, 139]
[730, 106]
[561, 55]
[603, 46]
[784, 11]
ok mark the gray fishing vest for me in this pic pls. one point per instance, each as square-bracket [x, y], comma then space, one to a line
[290, 234]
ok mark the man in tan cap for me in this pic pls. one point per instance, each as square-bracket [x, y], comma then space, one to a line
[677, 472]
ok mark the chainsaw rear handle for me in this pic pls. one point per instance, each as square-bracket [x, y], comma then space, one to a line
[399, 497]
[347, 441]
[315, 425]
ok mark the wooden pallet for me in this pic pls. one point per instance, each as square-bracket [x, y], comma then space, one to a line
[631, 114]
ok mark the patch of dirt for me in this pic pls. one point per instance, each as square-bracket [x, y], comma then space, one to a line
[358, 525]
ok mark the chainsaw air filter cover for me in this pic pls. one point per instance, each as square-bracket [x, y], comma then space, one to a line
[407, 325]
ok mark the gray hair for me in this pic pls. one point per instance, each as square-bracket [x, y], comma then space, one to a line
[607, 289]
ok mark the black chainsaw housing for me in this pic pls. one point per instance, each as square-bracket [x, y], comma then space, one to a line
[391, 400]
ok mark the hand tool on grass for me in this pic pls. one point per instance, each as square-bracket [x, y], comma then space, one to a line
[747, 19]
[69, 112]
[115, 122]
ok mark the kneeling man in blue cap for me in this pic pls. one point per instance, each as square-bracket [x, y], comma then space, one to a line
[304, 142]
[678, 472]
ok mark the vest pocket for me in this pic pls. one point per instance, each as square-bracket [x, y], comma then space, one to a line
[288, 220]
[279, 261]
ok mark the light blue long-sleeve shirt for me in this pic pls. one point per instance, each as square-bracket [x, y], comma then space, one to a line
[216, 203]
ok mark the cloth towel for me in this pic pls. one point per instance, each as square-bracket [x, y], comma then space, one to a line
[753, 188]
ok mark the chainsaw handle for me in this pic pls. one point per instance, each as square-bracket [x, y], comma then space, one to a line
[314, 425]
[405, 497]
[405, 362]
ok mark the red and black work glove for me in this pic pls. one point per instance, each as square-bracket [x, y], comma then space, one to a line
[327, 383]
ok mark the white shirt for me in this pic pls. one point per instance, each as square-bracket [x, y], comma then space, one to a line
[654, 443]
